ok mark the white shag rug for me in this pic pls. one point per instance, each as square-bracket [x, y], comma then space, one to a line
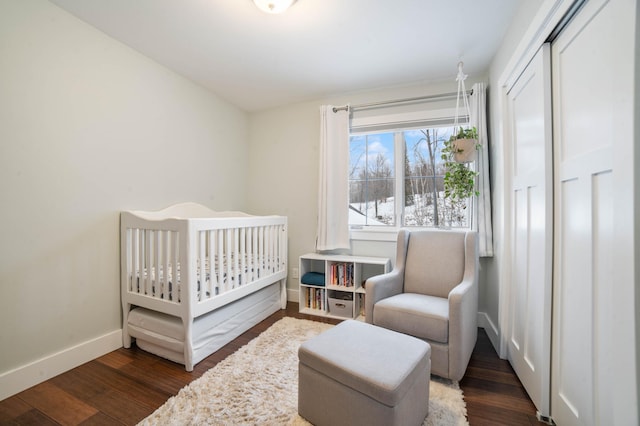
[258, 385]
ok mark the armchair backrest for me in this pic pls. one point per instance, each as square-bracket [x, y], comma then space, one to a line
[434, 261]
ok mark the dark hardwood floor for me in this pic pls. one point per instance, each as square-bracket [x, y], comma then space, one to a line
[125, 386]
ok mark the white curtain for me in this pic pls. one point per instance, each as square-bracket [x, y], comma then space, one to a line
[333, 193]
[478, 106]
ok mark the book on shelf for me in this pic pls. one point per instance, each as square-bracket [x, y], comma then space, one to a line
[315, 298]
[341, 274]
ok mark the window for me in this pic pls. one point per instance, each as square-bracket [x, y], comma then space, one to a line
[396, 179]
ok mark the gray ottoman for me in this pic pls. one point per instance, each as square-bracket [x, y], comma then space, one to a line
[360, 374]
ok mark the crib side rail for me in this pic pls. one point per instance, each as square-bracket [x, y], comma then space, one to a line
[233, 255]
[186, 267]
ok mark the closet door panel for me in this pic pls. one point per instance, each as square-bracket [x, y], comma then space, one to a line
[572, 368]
[585, 94]
[583, 69]
[603, 249]
[529, 334]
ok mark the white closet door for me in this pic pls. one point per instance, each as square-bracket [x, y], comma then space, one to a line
[584, 72]
[529, 335]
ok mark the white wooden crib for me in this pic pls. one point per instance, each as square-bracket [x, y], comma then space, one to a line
[194, 279]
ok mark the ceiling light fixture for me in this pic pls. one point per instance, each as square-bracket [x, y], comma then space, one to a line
[273, 6]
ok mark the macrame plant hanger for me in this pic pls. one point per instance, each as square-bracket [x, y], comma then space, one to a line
[464, 147]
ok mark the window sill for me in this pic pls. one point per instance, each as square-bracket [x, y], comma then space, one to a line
[374, 234]
[387, 234]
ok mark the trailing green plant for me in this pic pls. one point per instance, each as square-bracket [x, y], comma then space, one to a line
[468, 133]
[459, 178]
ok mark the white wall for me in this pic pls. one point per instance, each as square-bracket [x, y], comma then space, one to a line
[89, 127]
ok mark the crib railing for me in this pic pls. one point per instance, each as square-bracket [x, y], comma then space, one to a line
[232, 257]
[170, 261]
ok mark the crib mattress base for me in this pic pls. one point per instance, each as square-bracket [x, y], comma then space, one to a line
[163, 335]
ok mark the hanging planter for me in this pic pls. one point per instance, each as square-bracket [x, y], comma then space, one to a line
[464, 145]
[459, 152]
[460, 177]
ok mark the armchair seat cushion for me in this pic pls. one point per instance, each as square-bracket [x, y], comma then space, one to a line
[419, 315]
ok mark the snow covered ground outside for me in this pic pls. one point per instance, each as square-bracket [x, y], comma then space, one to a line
[420, 213]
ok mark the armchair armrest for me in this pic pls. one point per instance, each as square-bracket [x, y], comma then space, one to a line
[463, 325]
[380, 287]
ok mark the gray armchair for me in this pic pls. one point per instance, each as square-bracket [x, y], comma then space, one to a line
[432, 294]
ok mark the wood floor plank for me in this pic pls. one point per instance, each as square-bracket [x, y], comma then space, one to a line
[500, 401]
[131, 389]
[32, 417]
[80, 385]
[11, 408]
[57, 404]
[151, 378]
[485, 415]
[115, 359]
[116, 406]
[496, 387]
[505, 377]
[101, 419]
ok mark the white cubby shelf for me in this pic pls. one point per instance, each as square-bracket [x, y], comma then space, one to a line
[332, 285]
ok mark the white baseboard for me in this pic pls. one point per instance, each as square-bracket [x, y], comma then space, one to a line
[293, 295]
[490, 328]
[26, 376]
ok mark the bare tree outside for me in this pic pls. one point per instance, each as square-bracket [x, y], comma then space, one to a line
[423, 175]
[371, 179]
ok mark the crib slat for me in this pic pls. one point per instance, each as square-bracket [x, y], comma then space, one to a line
[164, 289]
[175, 268]
[157, 287]
[276, 249]
[265, 257]
[282, 258]
[228, 258]
[261, 247]
[235, 256]
[215, 270]
[269, 238]
[132, 271]
[201, 265]
[242, 276]
[223, 284]
[151, 265]
[256, 254]
[141, 270]
[145, 272]
[272, 248]
[210, 264]
[250, 269]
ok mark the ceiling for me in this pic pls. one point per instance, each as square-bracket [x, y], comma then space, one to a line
[317, 48]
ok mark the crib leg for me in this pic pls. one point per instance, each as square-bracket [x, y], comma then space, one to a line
[126, 337]
[283, 293]
[188, 343]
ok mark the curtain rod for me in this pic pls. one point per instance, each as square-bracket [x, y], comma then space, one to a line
[439, 97]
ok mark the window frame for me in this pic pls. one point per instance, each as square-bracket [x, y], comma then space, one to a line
[398, 123]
